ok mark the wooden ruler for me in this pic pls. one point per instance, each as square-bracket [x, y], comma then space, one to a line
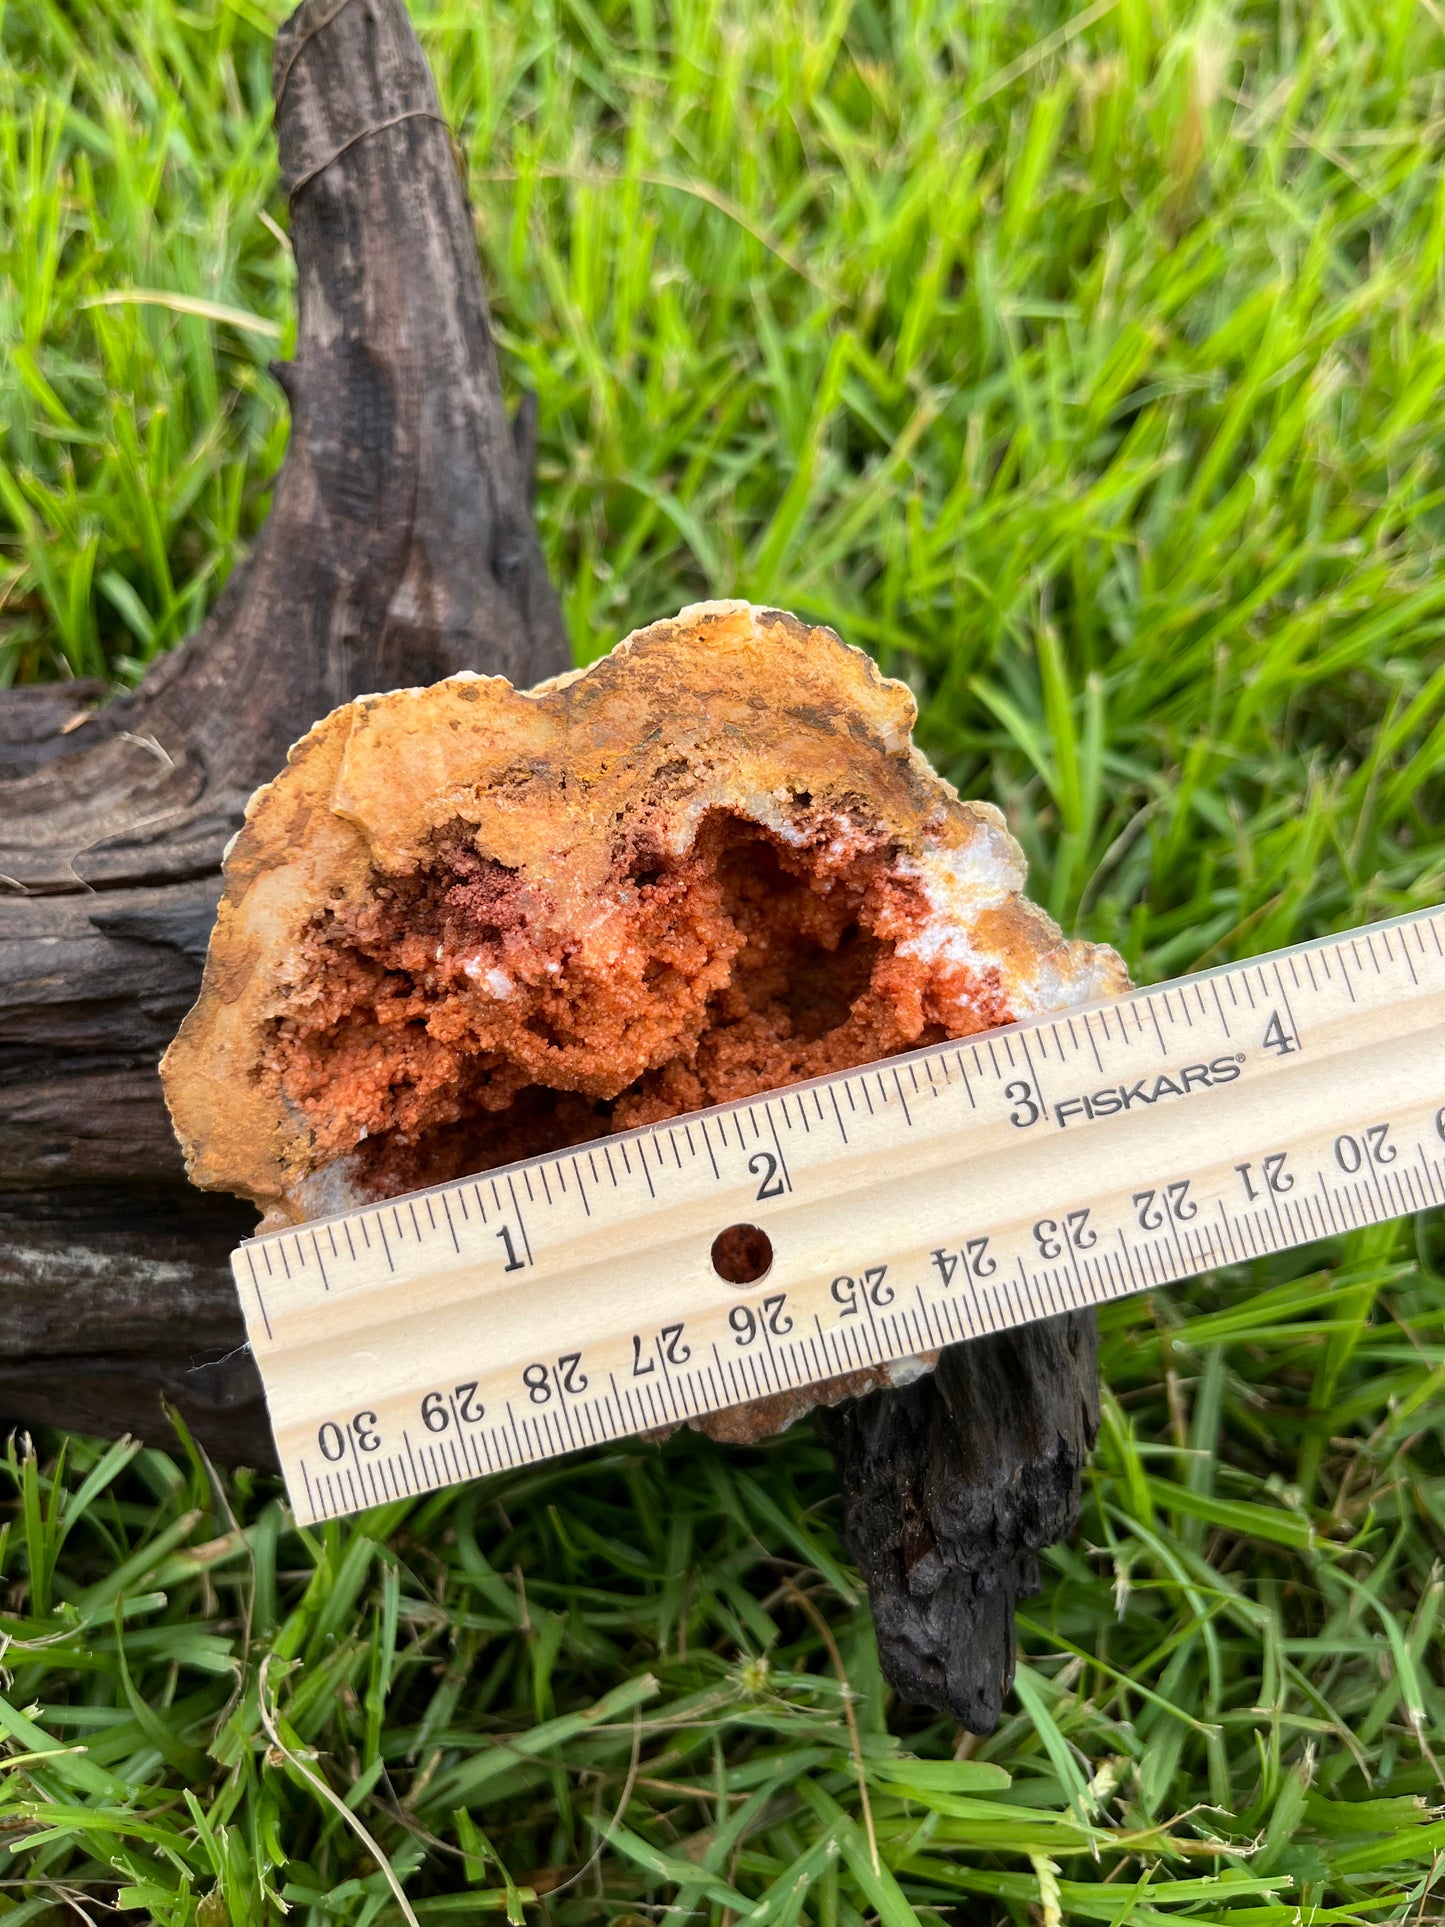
[873, 1215]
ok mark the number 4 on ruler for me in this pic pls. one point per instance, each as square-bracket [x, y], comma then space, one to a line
[1277, 1038]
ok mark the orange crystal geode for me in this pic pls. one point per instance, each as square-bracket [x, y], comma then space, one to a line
[472, 923]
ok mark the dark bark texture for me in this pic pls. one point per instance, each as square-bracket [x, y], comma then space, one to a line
[951, 1488]
[400, 548]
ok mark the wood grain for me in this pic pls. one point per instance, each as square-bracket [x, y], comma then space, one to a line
[400, 548]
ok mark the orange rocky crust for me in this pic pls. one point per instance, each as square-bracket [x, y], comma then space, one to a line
[471, 923]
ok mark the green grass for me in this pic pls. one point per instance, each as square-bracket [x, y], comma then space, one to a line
[1088, 374]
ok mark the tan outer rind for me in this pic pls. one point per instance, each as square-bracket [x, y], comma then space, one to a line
[726, 705]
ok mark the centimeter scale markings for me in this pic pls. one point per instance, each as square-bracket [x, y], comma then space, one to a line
[1060, 1162]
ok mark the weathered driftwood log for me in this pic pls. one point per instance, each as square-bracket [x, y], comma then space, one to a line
[952, 1486]
[400, 549]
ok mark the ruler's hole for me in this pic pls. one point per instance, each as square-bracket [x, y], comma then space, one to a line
[742, 1254]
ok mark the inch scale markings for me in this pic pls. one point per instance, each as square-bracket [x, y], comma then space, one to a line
[976, 1185]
